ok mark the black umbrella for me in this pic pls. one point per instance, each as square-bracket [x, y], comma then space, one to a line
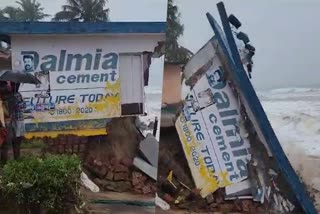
[18, 77]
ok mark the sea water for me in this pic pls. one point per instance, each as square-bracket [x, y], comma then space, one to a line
[294, 114]
[153, 107]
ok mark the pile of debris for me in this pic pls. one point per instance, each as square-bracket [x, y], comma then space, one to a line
[119, 176]
[124, 160]
[176, 186]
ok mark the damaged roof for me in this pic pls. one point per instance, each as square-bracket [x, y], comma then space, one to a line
[82, 27]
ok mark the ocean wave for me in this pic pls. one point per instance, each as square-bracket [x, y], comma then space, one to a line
[289, 94]
[296, 124]
[153, 90]
[294, 90]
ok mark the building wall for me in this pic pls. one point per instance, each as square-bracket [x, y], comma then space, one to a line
[171, 91]
[119, 78]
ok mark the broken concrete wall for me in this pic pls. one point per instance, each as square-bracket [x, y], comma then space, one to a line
[108, 159]
[123, 137]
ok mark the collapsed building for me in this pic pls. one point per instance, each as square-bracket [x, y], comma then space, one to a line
[232, 160]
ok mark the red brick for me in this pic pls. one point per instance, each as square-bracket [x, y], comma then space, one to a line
[97, 162]
[76, 139]
[127, 162]
[168, 198]
[97, 171]
[226, 208]
[121, 168]
[136, 178]
[50, 141]
[146, 189]
[114, 161]
[61, 149]
[63, 139]
[139, 186]
[68, 148]
[210, 199]
[246, 205]
[74, 148]
[110, 176]
[83, 140]
[82, 147]
[69, 139]
[153, 187]
[213, 205]
[121, 176]
[219, 199]
[89, 160]
[55, 149]
[143, 178]
[110, 168]
[137, 190]
[196, 191]
[238, 205]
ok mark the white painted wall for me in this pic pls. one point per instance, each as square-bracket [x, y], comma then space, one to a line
[131, 79]
[128, 48]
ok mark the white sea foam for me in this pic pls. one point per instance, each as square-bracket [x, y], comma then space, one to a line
[294, 114]
[153, 107]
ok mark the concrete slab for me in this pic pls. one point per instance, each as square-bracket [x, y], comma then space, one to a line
[150, 148]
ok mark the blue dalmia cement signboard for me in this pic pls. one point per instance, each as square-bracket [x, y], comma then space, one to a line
[224, 131]
[89, 72]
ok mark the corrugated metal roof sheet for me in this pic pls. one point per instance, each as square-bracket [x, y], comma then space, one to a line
[81, 27]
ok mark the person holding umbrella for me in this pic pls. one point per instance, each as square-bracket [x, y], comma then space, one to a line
[12, 99]
[17, 120]
[14, 121]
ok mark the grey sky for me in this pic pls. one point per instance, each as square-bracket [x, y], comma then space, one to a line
[285, 33]
[120, 10]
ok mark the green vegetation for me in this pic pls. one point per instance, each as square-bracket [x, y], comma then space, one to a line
[174, 51]
[83, 11]
[27, 11]
[50, 183]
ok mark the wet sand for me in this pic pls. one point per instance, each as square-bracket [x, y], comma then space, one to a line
[308, 169]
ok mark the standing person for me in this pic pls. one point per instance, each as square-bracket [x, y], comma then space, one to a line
[2, 112]
[18, 120]
[3, 115]
[7, 105]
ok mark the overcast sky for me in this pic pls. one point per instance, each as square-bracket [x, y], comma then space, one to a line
[285, 33]
[120, 10]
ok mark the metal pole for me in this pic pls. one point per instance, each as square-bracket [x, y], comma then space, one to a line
[155, 127]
